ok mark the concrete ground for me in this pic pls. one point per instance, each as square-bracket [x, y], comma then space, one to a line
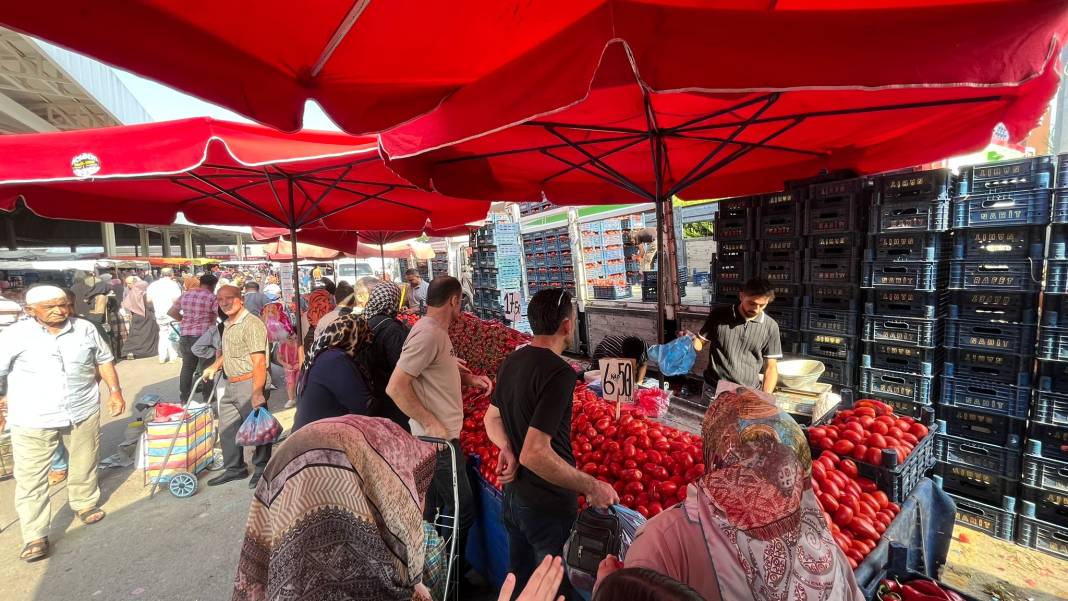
[159, 549]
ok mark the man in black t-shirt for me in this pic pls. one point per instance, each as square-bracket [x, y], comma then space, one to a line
[531, 414]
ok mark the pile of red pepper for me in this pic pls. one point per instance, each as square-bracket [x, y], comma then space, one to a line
[914, 590]
[484, 344]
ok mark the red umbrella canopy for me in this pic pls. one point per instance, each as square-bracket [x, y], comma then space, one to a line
[265, 60]
[624, 142]
[217, 172]
[356, 242]
[282, 250]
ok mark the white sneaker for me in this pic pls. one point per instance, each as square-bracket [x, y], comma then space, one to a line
[290, 404]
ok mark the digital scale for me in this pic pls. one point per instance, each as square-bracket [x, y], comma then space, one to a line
[807, 404]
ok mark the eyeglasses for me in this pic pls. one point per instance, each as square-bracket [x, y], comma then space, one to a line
[560, 300]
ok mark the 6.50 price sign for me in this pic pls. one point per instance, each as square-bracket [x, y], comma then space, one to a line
[617, 378]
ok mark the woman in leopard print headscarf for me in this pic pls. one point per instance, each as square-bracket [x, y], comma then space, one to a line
[336, 377]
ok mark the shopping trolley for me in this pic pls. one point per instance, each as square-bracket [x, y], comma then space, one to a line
[445, 524]
[179, 465]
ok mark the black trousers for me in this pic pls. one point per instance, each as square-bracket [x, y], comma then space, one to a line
[440, 498]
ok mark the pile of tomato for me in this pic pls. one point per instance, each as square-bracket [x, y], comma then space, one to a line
[865, 430]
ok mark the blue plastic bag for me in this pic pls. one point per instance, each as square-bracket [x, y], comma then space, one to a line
[674, 358]
[259, 428]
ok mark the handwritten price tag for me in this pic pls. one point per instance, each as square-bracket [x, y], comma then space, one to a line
[512, 306]
[617, 377]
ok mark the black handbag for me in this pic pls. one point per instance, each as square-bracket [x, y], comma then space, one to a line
[598, 533]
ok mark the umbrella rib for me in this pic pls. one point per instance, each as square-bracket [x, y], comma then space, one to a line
[632, 140]
[343, 29]
[350, 165]
[584, 127]
[330, 188]
[595, 162]
[241, 169]
[277, 198]
[619, 184]
[685, 183]
[741, 105]
[362, 182]
[500, 153]
[220, 196]
[764, 146]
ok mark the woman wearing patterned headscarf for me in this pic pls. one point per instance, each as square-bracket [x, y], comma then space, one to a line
[751, 527]
[336, 378]
[389, 336]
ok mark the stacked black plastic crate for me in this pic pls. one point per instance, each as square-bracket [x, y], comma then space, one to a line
[835, 219]
[1043, 522]
[780, 256]
[1000, 220]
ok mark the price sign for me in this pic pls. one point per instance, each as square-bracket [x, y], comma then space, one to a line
[617, 378]
[512, 307]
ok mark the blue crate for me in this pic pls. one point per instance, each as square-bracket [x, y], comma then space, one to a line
[611, 269]
[990, 458]
[831, 271]
[992, 305]
[904, 276]
[781, 272]
[498, 233]
[990, 336]
[829, 321]
[1010, 275]
[1048, 440]
[980, 426]
[914, 216]
[1021, 174]
[924, 333]
[614, 253]
[906, 303]
[902, 358]
[835, 246]
[931, 185]
[908, 247]
[914, 388]
[1060, 207]
[1058, 240]
[987, 366]
[1018, 207]
[992, 397]
[1056, 276]
[1053, 343]
[1049, 474]
[1020, 242]
[788, 318]
[834, 297]
[612, 239]
[1050, 408]
[829, 346]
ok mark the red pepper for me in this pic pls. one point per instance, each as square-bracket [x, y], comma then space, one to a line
[929, 587]
[909, 593]
[890, 585]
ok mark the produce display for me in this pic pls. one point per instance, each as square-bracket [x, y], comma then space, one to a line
[865, 430]
[919, 589]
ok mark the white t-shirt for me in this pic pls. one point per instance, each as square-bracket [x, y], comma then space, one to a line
[162, 294]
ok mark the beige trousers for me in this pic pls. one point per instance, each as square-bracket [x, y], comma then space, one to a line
[33, 449]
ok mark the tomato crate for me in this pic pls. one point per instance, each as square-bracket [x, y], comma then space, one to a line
[1049, 505]
[841, 374]
[737, 208]
[908, 247]
[914, 216]
[838, 215]
[990, 336]
[1002, 209]
[611, 292]
[1022, 174]
[998, 521]
[1010, 275]
[902, 358]
[907, 303]
[931, 185]
[784, 245]
[732, 229]
[1050, 539]
[924, 276]
[1048, 474]
[836, 246]
[839, 297]
[779, 225]
[992, 305]
[1053, 343]
[734, 269]
[831, 271]
[924, 333]
[788, 318]
[990, 458]
[1021, 242]
[781, 272]
[1049, 441]
[898, 479]
[919, 411]
[977, 484]
[991, 397]
[988, 366]
[1056, 276]
[1050, 408]
[981, 426]
[829, 346]
[827, 321]
[914, 388]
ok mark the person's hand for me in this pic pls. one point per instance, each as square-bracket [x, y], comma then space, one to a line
[209, 373]
[607, 566]
[116, 404]
[258, 400]
[462, 365]
[507, 466]
[435, 429]
[542, 586]
[422, 593]
[483, 383]
[601, 495]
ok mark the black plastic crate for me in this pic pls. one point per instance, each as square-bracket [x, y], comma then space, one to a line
[1049, 474]
[780, 245]
[902, 358]
[1042, 536]
[1053, 343]
[731, 248]
[898, 479]
[779, 216]
[991, 397]
[907, 303]
[978, 484]
[925, 333]
[791, 341]
[914, 216]
[1050, 506]
[930, 185]
[828, 321]
[1050, 408]
[992, 305]
[1019, 275]
[913, 388]
[990, 336]
[611, 292]
[908, 247]
[836, 246]
[979, 426]
[1021, 174]
[1057, 241]
[788, 318]
[988, 366]
[831, 271]
[737, 208]
[841, 374]
[991, 458]
[907, 408]
[1003, 209]
[786, 295]
[781, 272]
[1062, 170]
[904, 276]
[836, 215]
[1021, 242]
[829, 346]
[997, 521]
[1053, 376]
[733, 270]
[1048, 441]
[830, 296]
[733, 229]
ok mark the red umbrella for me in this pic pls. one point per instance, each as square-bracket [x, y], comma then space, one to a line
[282, 250]
[221, 173]
[372, 65]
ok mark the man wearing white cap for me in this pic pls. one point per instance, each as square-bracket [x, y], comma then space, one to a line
[48, 372]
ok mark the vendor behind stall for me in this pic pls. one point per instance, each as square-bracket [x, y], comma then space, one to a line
[622, 347]
[742, 340]
[646, 241]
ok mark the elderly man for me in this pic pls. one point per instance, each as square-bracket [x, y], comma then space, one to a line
[244, 365]
[162, 294]
[49, 366]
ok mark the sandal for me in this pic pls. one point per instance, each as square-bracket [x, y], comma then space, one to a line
[91, 516]
[35, 550]
[56, 476]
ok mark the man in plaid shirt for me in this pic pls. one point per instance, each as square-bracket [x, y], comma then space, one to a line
[198, 310]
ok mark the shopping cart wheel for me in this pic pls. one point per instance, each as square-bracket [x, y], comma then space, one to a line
[183, 484]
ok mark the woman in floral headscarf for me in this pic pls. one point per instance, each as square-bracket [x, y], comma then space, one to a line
[336, 373]
[751, 527]
[389, 336]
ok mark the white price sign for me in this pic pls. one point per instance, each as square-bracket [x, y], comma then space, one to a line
[617, 378]
[513, 307]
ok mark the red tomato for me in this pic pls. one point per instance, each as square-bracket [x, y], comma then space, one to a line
[829, 503]
[628, 451]
[642, 509]
[867, 485]
[862, 411]
[618, 486]
[817, 432]
[867, 421]
[843, 515]
[843, 447]
[653, 456]
[860, 452]
[879, 428]
[848, 467]
[843, 540]
[875, 456]
[655, 508]
[881, 498]
[861, 526]
[627, 500]
[610, 446]
[853, 436]
[630, 464]
[818, 470]
[668, 489]
[634, 487]
[590, 468]
[876, 441]
[894, 432]
[918, 430]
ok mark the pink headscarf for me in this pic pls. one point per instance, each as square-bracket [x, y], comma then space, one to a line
[134, 298]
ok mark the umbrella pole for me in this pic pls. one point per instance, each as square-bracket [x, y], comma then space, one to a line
[296, 284]
[382, 257]
[661, 287]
